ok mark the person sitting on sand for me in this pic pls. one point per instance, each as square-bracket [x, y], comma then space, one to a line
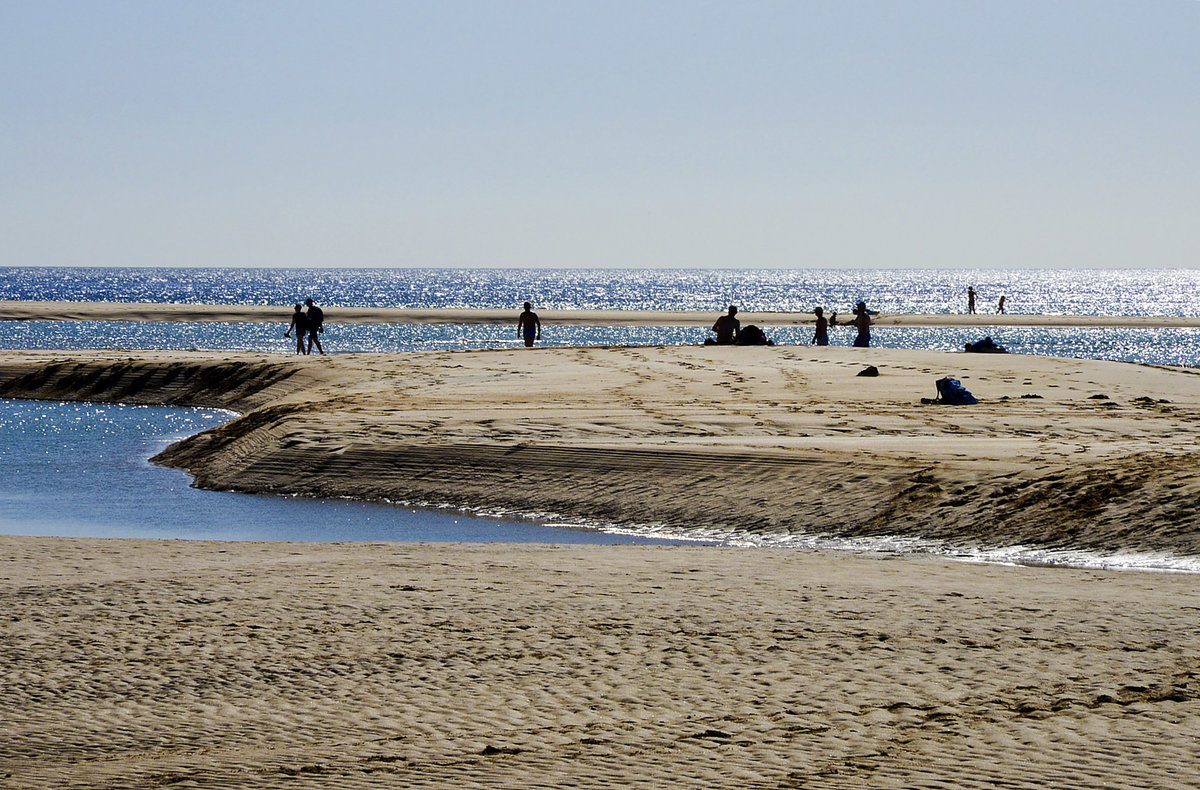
[862, 322]
[300, 324]
[529, 326]
[316, 323]
[727, 327]
[821, 335]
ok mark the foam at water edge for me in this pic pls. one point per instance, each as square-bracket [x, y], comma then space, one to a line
[881, 544]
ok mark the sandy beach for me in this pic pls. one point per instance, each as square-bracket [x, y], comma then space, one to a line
[150, 664]
[140, 664]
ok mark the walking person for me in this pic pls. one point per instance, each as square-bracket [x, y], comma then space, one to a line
[300, 325]
[1000, 305]
[529, 326]
[316, 324]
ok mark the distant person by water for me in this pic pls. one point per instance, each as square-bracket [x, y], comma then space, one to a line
[821, 334]
[300, 325]
[529, 326]
[862, 322]
[726, 327]
[316, 325]
[1000, 305]
[971, 299]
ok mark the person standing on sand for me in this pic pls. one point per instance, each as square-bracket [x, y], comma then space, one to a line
[821, 335]
[1000, 306]
[300, 324]
[971, 299]
[529, 326]
[316, 323]
[726, 327]
[862, 322]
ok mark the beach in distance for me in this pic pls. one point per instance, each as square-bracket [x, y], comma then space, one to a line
[158, 311]
[160, 663]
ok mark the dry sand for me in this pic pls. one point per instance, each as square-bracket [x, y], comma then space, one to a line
[141, 664]
[150, 664]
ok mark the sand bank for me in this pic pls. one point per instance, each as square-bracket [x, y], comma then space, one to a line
[135, 311]
[139, 664]
[769, 441]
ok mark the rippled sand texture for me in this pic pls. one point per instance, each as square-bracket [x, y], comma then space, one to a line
[1060, 453]
[140, 664]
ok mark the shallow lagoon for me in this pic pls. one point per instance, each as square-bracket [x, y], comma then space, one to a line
[81, 470]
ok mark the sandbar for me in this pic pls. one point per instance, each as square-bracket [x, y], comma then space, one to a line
[334, 314]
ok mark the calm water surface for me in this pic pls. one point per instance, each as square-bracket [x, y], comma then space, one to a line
[81, 470]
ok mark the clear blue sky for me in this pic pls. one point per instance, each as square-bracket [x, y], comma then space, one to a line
[945, 133]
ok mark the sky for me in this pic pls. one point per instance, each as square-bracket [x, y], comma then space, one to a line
[571, 133]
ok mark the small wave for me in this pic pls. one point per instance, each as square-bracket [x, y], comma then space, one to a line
[892, 545]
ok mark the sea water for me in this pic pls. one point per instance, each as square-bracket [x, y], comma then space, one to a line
[1046, 292]
[1147, 292]
[82, 470]
[33, 504]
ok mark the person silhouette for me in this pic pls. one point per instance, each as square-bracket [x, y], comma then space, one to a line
[727, 327]
[1000, 305]
[529, 326]
[300, 324]
[862, 322]
[821, 334]
[971, 299]
[316, 323]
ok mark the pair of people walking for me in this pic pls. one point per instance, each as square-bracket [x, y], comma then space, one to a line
[307, 325]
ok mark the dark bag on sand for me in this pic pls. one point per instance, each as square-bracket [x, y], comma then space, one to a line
[751, 335]
[952, 393]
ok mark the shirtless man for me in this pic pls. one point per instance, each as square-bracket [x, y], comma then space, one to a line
[529, 326]
[727, 327]
[821, 335]
[862, 322]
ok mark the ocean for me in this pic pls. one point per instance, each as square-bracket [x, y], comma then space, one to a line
[116, 441]
[1070, 292]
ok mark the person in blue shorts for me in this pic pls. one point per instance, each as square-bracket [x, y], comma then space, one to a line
[862, 322]
[529, 326]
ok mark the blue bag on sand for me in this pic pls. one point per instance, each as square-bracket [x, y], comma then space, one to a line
[952, 392]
